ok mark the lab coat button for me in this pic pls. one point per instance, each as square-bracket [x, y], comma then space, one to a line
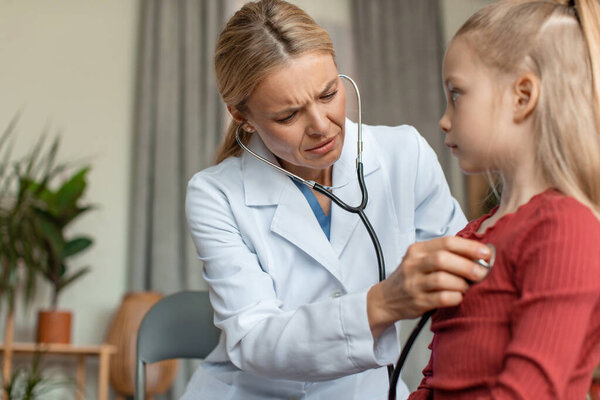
[337, 293]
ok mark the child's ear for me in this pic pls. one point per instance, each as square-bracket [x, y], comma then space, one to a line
[527, 92]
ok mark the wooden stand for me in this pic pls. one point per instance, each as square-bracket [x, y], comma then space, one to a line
[102, 351]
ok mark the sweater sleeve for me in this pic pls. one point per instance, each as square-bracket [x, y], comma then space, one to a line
[557, 270]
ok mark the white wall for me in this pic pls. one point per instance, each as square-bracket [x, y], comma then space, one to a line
[70, 65]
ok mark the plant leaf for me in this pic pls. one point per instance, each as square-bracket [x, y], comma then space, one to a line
[75, 246]
[70, 192]
[65, 281]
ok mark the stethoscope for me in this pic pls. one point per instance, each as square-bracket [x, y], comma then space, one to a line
[394, 373]
[326, 190]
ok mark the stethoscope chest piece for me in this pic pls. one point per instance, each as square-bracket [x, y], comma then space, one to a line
[488, 264]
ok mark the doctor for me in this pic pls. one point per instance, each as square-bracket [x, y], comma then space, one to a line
[293, 279]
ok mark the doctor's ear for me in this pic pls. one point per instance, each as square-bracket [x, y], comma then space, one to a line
[526, 92]
[240, 118]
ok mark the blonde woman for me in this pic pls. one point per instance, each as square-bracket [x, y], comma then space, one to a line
[293, 279]
[523, 86]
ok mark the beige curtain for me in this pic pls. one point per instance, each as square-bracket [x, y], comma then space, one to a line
[399, 51]
[179, 122]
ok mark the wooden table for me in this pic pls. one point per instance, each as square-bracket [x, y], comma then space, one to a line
[102, 351]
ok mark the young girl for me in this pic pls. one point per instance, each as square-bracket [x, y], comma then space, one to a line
[523, 86]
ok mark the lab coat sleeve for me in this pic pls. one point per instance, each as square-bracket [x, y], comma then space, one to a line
[317, 341]
[437, 213]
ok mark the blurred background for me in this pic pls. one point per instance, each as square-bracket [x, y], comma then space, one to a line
[129, 87]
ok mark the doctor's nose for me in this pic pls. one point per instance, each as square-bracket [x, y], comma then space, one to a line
[318, 123]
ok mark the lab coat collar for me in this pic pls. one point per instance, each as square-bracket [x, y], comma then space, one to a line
[293, 218]
[345, 182]
[344, 170]
[264, 185]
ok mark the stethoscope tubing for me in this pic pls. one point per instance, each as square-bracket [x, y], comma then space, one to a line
[395, 375]
[360, 210]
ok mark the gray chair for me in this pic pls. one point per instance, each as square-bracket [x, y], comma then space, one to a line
[178, 326]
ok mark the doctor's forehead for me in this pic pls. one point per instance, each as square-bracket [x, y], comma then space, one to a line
[300, 80]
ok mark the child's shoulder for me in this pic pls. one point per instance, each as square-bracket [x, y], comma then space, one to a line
[550, 210]
[554, 207]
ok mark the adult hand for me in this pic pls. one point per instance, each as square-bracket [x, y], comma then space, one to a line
[433, 274]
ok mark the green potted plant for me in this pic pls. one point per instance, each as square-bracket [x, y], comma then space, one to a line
[33, 222]
[55, 210]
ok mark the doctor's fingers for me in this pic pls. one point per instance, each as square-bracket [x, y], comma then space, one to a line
[443, 298]
[443, 260]
[467, 248]
[454, 264]
[443, 281]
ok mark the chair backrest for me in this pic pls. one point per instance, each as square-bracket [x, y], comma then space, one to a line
[178, 326]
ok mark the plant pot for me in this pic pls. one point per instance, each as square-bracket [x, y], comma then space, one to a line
[122, 333]
[54, 326]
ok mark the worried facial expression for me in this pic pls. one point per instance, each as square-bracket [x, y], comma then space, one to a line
[299, 112]
[477, 117]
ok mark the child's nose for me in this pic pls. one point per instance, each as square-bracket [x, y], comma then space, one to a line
[445, 123]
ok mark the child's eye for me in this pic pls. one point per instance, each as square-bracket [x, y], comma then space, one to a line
[454, 94]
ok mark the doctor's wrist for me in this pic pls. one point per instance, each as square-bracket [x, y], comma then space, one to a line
[379, 318]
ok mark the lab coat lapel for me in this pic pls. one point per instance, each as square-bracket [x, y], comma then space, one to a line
[344, 223]
[257, 176]
[293, 219]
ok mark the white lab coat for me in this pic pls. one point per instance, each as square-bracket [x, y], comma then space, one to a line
[290, 303]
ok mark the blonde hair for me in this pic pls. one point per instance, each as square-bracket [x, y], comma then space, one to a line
[259, 38]
[560, 43]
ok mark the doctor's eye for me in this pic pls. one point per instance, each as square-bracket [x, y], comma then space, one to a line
[287, 119]
[329, 95]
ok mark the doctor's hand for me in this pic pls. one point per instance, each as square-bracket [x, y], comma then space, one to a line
[433, 274]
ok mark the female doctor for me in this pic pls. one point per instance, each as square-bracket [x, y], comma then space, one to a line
[293, 279]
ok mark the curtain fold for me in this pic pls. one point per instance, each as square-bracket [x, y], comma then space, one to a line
[399, 50]
[179, 123]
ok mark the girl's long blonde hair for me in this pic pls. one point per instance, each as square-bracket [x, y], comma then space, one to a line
[559, 42]
[259, 38]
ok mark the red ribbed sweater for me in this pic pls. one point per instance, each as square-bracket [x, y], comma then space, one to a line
[531, 329]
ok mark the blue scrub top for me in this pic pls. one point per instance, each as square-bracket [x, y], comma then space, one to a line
[324, 220]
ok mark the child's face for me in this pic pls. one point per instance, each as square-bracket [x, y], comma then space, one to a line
[476, 110]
